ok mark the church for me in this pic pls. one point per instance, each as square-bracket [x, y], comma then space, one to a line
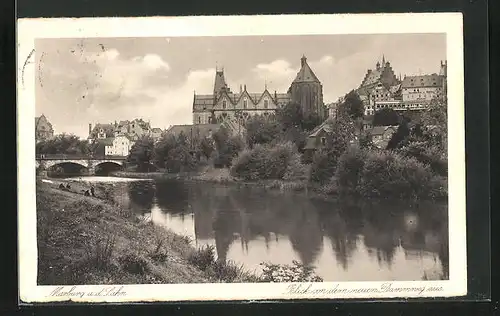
[224, 104]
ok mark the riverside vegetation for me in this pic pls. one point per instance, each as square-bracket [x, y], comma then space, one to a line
[91, 240]
[412, 166]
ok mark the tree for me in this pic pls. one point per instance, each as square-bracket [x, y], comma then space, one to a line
[337, 141]
[260, 130]
[227, 147]
[290, 115]
[141, 154]
[162, 149]
[352, 105]
[310, 121]
[386, 117]
[180, 159]
[399, 136]
[63, 144]
[207, 147]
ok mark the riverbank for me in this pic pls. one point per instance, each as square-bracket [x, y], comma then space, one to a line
[89, 240]
[326, 192]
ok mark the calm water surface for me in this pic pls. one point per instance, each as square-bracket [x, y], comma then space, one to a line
[344, 241]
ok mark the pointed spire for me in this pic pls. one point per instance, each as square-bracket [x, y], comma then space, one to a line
[383, 60]
[265, 84]
[303, 60]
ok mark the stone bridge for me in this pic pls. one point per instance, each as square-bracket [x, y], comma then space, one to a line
[45, 162]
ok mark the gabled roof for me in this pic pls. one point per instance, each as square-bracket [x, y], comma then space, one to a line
[106, 141]
[433, 80]
[379, 130]
[310, 143]
[305, 73]
[200, 130]
[126, 136]
[327, 126]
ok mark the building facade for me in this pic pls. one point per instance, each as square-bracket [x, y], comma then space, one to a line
[224, 104]
[381, 88]
[120, 146]
[43, 129]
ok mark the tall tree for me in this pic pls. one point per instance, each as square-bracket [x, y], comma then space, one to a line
[141, 154]
[260, 130]
[386, 117]
[163, 148]
[352, 105]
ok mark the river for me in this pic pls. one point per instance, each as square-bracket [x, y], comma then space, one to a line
[344, 241]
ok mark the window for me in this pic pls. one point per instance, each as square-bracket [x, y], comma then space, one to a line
[323, 141]
[199, 119]
[245, 103]
[266, 103]
[224, 104]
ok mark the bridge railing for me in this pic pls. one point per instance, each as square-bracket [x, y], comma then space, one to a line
[77, 157]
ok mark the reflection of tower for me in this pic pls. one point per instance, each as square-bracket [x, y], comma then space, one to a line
[342, 238]
[223, 226]
[306, 234]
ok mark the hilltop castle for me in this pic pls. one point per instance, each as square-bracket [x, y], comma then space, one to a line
[223, 104]
[381, 88]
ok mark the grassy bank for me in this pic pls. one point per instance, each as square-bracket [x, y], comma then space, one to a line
[88, 240]
[221, 176]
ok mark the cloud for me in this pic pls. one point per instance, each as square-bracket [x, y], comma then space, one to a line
[155, 62]
[278, 74]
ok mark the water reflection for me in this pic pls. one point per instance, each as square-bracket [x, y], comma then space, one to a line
[345, 240]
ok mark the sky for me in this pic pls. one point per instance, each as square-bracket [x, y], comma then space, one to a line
[100, 80]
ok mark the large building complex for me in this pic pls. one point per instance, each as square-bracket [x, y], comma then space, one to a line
[116, 139]
[224, 104]
[381, 88]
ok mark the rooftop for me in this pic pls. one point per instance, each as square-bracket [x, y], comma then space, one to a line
[433, 80]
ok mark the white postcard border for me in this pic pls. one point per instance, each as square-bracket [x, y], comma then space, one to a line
[31, 29]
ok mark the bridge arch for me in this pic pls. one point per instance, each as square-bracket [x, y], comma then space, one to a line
[66, 168]
[114, 162]
[107, 166]
[51, 163]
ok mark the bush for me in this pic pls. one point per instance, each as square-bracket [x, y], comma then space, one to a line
[296, 272]
[388, 174]
[349, 169]
[203, 258]
[280, 161]
[428, 155]
[322, 167]
[134, 264]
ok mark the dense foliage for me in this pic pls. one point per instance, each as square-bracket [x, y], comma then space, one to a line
[386, 117]
[63, 144]
[281, 161]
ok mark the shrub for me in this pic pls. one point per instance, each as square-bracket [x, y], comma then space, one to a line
[280, 161]
[387, 174]
[349, 169]
[322, 167]
[428, 155]
[134, 263]
[203, 257]
[296, 272]
[100, 254]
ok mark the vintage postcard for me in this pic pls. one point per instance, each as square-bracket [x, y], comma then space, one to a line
[241, 158]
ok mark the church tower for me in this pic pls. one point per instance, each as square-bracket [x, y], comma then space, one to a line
[219, 83]
[307, 91]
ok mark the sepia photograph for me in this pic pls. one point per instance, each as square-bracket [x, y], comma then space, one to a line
[243, 162]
